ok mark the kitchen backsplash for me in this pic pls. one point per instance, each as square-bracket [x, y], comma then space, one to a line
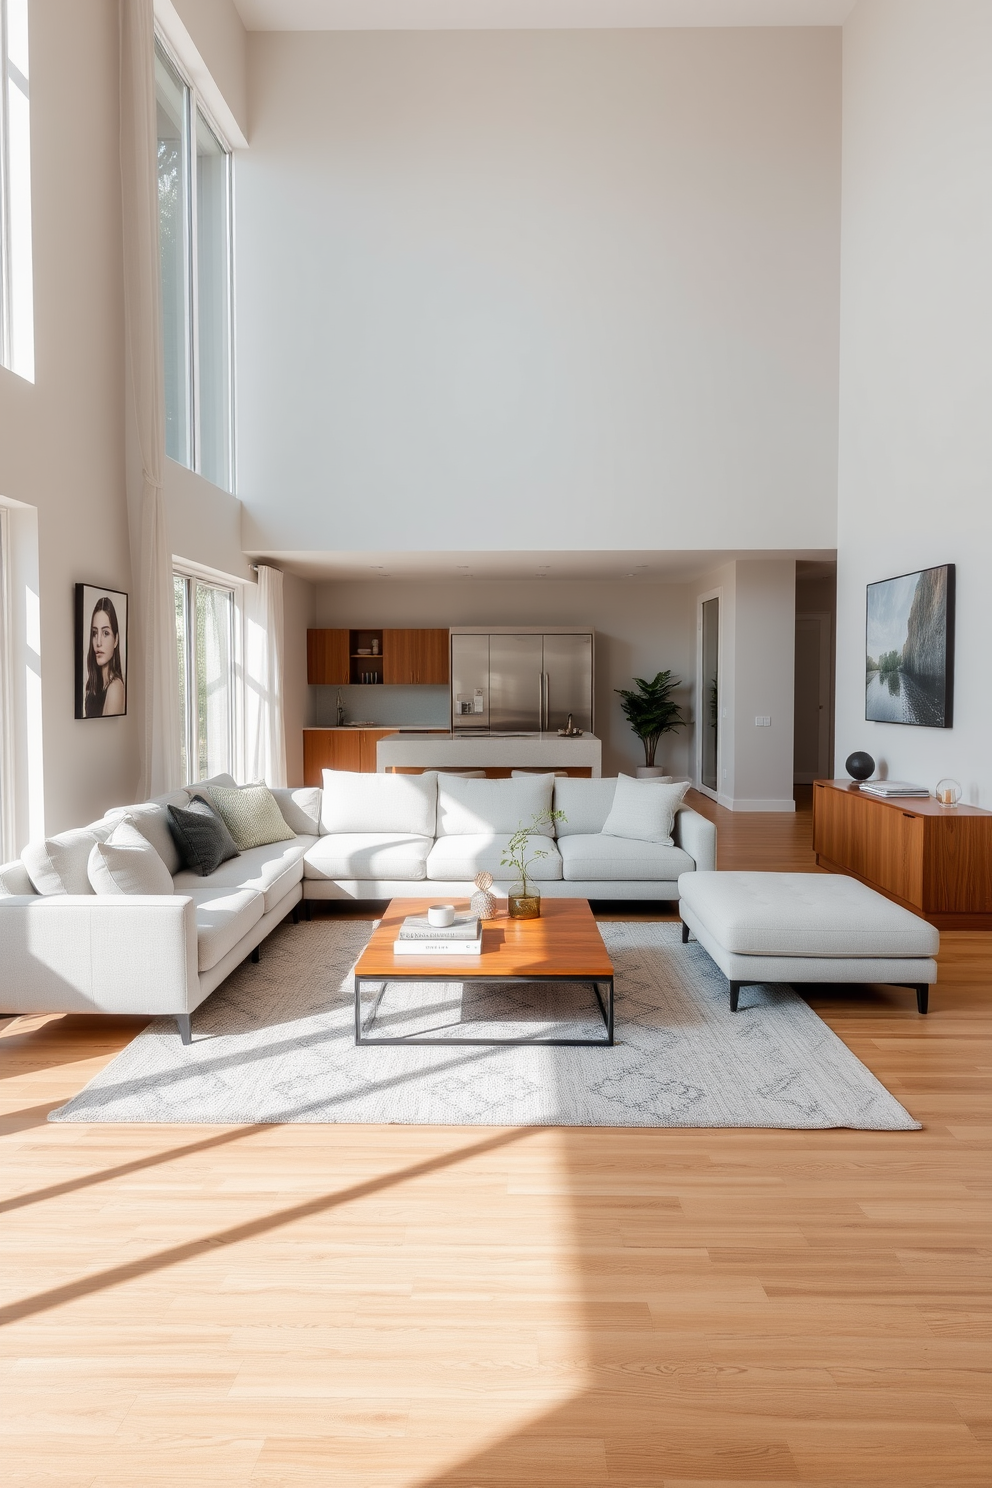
[381, 705]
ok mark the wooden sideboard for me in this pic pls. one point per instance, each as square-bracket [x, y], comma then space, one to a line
[404, 658]
[935, 860]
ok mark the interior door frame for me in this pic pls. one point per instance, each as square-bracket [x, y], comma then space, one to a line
[702, 599]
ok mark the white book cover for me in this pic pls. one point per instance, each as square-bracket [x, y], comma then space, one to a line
[893, 788]
[437, 947]
[418, 927]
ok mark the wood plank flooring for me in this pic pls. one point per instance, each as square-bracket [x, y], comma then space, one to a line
[385, 1307]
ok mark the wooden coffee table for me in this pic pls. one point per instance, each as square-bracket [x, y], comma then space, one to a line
[564, 945]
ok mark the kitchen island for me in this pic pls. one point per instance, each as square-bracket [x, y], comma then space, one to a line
[496, 753]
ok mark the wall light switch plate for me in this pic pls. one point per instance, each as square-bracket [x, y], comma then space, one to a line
[763, 721]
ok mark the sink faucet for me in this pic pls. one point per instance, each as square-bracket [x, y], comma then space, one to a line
[339, 708]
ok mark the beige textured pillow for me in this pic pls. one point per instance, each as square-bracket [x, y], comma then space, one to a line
[251, 814]
[127, 864]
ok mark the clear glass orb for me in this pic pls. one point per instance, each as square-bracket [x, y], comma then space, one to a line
[948, 792]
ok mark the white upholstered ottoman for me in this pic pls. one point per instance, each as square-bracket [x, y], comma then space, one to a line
[806, 927]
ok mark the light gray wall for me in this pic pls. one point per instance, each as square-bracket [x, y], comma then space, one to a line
[764, 685]
[544, 290]
[641, 629]
[916, 389]
[62, 437]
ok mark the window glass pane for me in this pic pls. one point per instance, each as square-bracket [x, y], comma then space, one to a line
[182, 644]
[173, 217]
[214, 679]
[213, 304]
[15, 187]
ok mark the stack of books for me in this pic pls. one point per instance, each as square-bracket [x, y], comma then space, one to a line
[893, 788]
[417, 937]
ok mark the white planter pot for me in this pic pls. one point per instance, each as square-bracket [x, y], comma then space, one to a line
[652, 772]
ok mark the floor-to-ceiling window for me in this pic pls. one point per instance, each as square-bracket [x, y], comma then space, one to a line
[206, 641]
[194, 195]
[16, 272]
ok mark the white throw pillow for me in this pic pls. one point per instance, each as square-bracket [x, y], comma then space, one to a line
[300, 807]
[127, 864]
[644, 810]
[59, 864]
[353, 802]
[15, 879]
[467, 807]
[152, 821]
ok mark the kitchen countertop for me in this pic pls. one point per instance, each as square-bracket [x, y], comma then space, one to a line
[433, 750]
[399, 728]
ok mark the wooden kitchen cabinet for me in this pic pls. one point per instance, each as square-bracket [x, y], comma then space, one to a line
[415, 658]
[339, 749]
[328, 661]
[932, 859]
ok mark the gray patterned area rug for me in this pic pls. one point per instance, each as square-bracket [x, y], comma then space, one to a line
[275, 1043]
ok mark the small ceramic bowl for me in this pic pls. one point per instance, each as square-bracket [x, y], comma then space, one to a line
[441, 915]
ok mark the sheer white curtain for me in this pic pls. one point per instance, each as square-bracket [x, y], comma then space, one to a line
[265, 725]
[153, 682]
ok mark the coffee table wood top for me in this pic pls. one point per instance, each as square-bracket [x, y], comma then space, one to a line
[564, 942]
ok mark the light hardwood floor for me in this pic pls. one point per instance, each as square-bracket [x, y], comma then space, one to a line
[384, 1307]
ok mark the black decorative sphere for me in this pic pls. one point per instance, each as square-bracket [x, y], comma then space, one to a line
[860, 765]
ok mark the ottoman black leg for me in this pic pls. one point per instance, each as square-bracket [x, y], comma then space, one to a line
[685, 933]
[922, 998]
[735, 992]
[255, 956]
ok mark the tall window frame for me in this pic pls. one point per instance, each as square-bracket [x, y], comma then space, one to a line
[16, 257]
[8, 848]
[195, 172]
[209, 643]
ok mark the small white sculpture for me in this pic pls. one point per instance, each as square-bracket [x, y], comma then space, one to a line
[484, 901]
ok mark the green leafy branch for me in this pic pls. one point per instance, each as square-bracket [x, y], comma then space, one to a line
[516, 856]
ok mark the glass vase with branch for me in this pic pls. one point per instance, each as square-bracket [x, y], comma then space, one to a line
[524, 897]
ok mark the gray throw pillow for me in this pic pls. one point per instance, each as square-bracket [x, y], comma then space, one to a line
[201, 836]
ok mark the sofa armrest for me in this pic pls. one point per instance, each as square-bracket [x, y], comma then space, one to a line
[107, 953]
[696, 836]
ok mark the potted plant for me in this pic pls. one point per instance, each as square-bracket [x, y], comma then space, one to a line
[651, 712]
[524, 897]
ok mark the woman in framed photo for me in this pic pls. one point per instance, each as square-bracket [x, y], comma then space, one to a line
[105, 694]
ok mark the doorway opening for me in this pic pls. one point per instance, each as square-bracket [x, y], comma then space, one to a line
[708, 691]
[816, 623]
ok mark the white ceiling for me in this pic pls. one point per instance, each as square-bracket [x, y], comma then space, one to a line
[669, 567]
[533, 15]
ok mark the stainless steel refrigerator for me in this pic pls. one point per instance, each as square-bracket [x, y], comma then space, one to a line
[525, 682]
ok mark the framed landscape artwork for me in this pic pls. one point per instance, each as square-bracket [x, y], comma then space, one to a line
[101, 652]
[909, 666]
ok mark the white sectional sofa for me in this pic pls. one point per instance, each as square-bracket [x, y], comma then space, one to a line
[361, 837]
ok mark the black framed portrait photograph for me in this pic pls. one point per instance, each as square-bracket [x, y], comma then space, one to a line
[101, 652]
[909, 663]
